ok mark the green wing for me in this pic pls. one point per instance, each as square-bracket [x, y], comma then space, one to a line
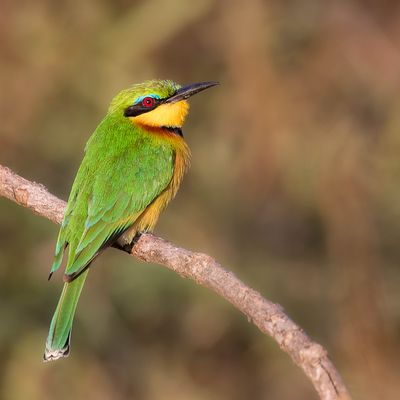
[107, 197]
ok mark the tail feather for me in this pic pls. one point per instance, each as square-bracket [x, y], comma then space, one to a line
[50, 354]
[59, 338]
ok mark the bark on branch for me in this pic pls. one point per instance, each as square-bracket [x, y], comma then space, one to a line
[268, 317]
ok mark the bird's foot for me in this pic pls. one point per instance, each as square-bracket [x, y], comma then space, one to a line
[129, 246]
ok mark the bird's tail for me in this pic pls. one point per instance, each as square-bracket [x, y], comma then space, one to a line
[58, 340]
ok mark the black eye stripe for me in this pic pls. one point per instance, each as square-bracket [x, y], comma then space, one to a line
[139, 108]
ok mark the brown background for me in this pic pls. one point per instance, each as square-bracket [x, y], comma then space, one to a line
[295, 186]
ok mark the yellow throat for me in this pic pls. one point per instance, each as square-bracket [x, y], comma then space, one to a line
[168, 114]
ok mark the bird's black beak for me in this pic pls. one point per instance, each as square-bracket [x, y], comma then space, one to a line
[186, 91]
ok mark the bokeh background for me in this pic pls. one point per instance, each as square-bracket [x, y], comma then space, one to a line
[294, 185]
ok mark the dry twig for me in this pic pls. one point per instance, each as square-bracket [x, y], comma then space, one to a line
[268, 317]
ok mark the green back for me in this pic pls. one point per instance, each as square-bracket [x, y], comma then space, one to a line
[124, 169]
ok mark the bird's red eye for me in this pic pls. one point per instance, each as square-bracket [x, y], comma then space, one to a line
[148, 102]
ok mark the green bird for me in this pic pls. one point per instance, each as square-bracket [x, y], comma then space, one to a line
[133, 165]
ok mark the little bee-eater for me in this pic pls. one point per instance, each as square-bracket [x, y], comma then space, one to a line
[133, 166]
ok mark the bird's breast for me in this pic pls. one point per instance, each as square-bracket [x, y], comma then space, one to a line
[149, 217]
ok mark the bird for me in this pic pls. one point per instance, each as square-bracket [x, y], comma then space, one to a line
[132, 168]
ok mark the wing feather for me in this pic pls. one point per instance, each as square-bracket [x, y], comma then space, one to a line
[106, 199]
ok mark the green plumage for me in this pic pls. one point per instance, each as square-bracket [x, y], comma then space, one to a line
[116, 180]
[124, 169]
[133, 165]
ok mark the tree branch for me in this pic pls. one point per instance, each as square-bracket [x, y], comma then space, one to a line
[268, 317]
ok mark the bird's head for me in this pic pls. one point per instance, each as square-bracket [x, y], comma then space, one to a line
[157, 104]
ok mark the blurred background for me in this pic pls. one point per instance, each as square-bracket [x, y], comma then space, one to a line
[294, 185]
